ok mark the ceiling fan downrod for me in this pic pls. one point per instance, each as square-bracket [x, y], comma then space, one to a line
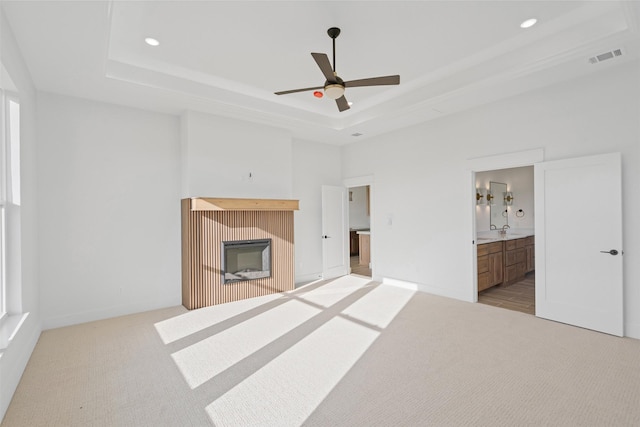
[334, 32]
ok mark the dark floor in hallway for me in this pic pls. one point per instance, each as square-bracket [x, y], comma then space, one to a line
[356, 268]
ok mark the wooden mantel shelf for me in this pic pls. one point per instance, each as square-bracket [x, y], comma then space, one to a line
[213, 204]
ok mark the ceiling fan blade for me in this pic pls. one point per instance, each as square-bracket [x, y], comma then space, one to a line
[374, 81]
[342, 103]
[325, 66]
[284, 92]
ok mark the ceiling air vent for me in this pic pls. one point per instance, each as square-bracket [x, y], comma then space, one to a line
[605, 56]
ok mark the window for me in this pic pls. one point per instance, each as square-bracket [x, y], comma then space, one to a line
[9, 180]
[13, 155]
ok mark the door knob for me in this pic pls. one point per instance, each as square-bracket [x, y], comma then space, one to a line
[325, 237]
[611, 252]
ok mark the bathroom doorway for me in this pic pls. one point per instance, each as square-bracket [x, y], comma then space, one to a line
[360, 230]
[506, 238]
[488, 246]
[568, 288]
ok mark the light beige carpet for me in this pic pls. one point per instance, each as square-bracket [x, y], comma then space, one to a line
[346, 352]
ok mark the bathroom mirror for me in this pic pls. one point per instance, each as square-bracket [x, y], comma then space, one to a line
[499, 215]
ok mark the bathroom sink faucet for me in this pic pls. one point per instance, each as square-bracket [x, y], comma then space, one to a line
[503, 231]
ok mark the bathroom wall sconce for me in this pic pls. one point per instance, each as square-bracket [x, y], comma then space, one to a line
[508, 198]
[480, 200]
[490, 198]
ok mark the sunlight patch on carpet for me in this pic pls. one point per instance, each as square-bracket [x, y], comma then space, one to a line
[334, 291]
[207, 358]
[182, 326]
[380, 306]
[289, 388]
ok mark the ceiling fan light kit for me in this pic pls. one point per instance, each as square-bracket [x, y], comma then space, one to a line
[334, 91]
[334, 87]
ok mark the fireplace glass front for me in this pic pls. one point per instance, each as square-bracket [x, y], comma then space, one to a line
[246, 260]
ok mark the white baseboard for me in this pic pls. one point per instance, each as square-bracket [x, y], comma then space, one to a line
[632, 330]
[429, 289]
[308, 278]
[106, 313]
[14, 357]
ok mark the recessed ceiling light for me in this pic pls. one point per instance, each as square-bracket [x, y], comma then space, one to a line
[151, 41]
[529, 23]
[350, 103]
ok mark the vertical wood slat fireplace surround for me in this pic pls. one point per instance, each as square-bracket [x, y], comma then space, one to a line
[207, 222]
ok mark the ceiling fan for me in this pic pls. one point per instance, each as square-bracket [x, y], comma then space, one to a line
[334, 87]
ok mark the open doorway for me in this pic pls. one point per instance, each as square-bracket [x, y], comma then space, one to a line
[360, 230]
[568, 286]
[506, 238]
[483, 233]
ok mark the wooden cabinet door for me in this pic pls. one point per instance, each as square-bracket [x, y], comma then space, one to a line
[483, 264]
[510, 258]
[354, 243]
[490, 265]
[511, 274]
[365, 254]
[522, 269]
[484, 281]
[495, 268]
[531, 258]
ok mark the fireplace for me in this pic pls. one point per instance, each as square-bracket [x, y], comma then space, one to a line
[245, 260]
[234, 249]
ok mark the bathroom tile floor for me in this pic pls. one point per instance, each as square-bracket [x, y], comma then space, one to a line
[521, 296]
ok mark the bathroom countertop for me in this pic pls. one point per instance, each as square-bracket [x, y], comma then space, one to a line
[511, 235]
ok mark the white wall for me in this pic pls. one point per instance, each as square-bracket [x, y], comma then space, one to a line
[232, 158]
[15, 352]
[314, 165]
[218, 154]
[358, 204]
[109, 223]
[113, 177]
[520, 182]
[431, 221]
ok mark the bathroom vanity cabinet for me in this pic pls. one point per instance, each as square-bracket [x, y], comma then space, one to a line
[505, 261]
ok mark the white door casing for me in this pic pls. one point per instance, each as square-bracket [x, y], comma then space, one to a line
[335, 233]
[578, 223]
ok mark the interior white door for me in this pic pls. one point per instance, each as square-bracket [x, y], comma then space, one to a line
[578, 220]
[335, 255]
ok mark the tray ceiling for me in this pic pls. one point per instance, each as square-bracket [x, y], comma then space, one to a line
[228, 57]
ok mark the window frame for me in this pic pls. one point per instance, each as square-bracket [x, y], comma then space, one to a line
[6, 97]
[4, 133]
